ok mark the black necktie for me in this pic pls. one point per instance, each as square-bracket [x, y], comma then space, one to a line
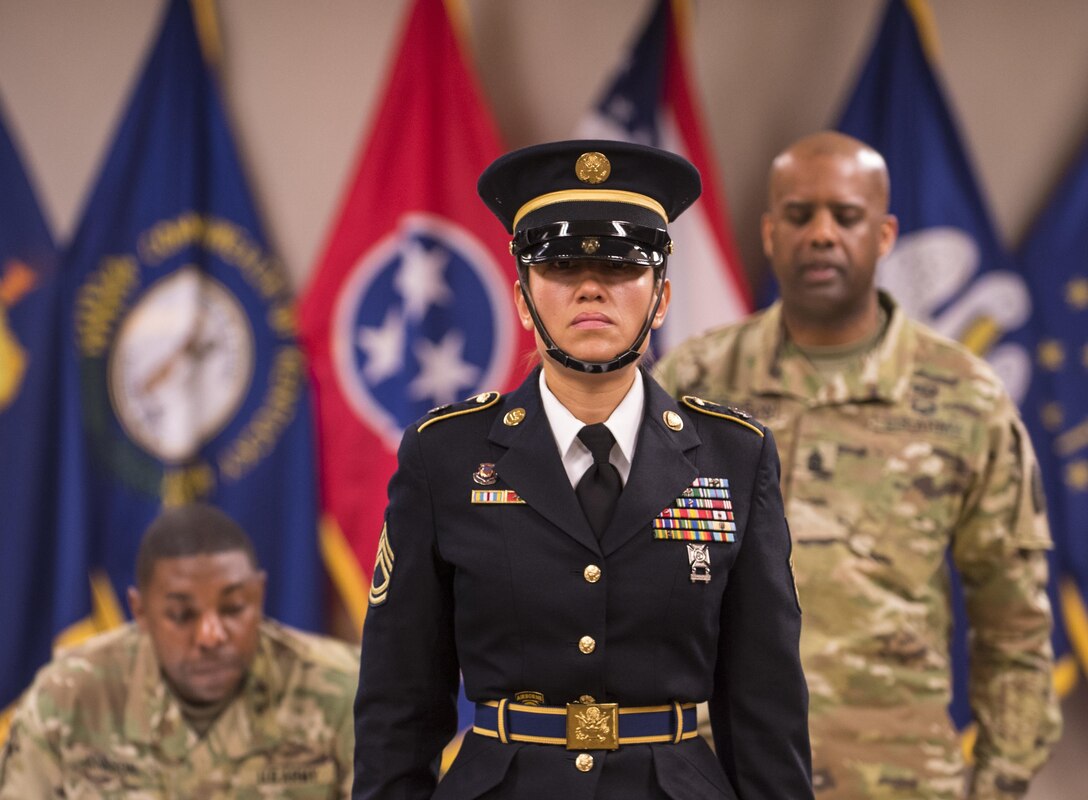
[600, 486]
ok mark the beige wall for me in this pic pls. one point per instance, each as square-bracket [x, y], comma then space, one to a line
[302, 77]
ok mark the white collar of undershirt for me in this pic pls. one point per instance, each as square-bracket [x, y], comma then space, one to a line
[623, 423]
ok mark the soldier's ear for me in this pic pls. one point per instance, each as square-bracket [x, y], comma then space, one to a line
[766, 234]
[261, 583]
[663, 306]
[136, 606]
[522, 307]
[889, 231]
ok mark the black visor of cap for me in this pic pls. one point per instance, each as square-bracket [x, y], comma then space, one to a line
[601, 231]
[596, 240]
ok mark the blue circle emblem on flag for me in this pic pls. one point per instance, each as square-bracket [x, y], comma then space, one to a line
[422, 320]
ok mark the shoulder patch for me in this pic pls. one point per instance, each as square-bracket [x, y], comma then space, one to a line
[723, 412]
[476, 403]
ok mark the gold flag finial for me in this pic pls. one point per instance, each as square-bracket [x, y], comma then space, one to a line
[926, 23]
[207, 31]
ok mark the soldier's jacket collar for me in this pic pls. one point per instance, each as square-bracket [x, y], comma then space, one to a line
[882, 374]
[153, 715]
[530, 464]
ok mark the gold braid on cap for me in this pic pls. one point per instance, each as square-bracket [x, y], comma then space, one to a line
[591, 195]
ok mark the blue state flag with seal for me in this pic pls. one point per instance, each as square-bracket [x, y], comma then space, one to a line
[37, 601]
[1054, 262]
[948, 269]
[180, 327]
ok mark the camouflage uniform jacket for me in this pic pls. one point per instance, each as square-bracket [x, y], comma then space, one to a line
[99, 721]
[914, 450]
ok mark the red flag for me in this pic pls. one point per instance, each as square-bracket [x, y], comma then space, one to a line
[650, 100]
[410, 306]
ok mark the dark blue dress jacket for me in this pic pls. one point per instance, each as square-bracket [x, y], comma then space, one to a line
[497, 592]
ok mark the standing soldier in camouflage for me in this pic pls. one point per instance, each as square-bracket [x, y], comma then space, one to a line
[897, 447]
[200, 698]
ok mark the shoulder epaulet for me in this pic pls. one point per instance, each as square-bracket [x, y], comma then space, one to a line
[449, 410]
[724, 412]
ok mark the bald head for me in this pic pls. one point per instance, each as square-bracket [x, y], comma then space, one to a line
[832, 145]
[826, 227]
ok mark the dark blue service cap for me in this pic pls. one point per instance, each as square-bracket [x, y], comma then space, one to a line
[592, 199]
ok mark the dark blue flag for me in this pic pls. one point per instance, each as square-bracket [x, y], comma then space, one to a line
[1054, 259]
[948, 269]
[181, 337]
[32, 610]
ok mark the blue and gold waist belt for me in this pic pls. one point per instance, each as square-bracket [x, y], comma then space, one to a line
[586, 726]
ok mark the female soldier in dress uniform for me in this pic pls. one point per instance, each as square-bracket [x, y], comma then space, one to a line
[593, 557]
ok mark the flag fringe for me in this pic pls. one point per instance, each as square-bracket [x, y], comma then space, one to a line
[1076, 621]
[343, 567]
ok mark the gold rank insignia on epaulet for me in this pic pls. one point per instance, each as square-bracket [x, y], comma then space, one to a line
[450, 410]
[724, 412]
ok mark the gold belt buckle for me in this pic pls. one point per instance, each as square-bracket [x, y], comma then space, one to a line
[593, 726]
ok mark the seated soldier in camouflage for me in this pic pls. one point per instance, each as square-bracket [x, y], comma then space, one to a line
[200, 698]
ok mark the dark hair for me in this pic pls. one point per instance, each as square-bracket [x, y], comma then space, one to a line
[190, 530]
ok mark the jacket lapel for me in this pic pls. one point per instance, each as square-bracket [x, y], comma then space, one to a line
[531, 465]
[660, 472]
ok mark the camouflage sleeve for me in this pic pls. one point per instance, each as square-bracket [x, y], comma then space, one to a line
[664, 372]
[345, 755]
[30, 765]
[1000, 547]
[699, 366]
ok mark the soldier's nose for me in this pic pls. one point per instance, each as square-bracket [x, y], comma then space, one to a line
[821, 231]
[210, 632]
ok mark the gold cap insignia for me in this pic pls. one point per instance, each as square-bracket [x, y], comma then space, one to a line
[593, 168]
[590, 246]
[673, 420]
[514, 417]
[669, 248]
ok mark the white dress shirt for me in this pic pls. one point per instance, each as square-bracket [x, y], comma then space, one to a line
[623, 423]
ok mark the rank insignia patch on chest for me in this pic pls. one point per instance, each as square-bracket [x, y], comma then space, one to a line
[702, 513]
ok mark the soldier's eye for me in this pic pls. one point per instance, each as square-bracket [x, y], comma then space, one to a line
[181, 617]
[232, 610]
[848, 217]
[798, 215]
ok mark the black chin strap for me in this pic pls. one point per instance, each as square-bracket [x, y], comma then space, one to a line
[565, 359]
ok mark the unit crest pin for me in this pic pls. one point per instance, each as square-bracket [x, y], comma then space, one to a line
[485, 474]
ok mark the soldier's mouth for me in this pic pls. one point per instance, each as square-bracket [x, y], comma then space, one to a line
[212, 669]
[818, 272]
